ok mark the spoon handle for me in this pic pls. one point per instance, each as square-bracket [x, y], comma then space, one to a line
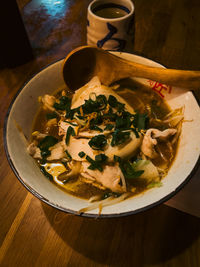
[180, 78]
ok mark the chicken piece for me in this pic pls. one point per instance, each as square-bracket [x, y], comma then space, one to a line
[94, 87]
[48, 102]
[34, 151]
[110, 177]
[63, 127]
[77, 145]
[57, 152]
[163, 135]
[74, 167]
[85, 178]
[150, 140]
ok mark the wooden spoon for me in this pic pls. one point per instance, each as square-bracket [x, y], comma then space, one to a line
[85, 62]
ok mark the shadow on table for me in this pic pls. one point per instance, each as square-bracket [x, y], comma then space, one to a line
[154, 236]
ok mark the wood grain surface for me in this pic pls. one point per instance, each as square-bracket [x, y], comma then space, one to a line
[35, 234]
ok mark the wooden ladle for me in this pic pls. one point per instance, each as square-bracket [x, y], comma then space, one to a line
[85, 62]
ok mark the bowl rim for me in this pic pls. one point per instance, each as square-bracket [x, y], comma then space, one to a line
[67, 210]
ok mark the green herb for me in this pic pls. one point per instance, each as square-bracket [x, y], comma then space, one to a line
[81, 154]
[96, 128]
[98, 142]
[101, 158]
[73, 124]
[109, 127]
[128, 170]
[102, 101]
[71, 112]
[110, 116]
[91, 105]
[70, 131]
[96, 121]
[48, 175]
[97, 163]
[52, 115]
[45, 153]
[44, 145]
[119, 137]
[135, 132]
[68, 155]
[47, 142]
[64, 103]
[112, 101]
[93, 122]
[94, 165]
[117, 158]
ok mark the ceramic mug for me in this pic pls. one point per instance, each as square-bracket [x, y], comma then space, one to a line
[111, 24]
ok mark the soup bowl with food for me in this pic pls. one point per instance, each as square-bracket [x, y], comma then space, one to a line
[102, 151]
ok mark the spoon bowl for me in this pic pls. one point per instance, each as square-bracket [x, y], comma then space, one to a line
[85, 62]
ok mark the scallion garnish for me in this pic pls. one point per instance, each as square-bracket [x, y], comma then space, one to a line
[68, 155]
[97, 163]
[63, 104]
[119, 137]
[44, 145]
[98, 142]
[70, 131]
[81, 154]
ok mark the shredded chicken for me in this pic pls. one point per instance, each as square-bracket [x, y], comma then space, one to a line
[74, 167]
[34, 151]
[48, 102]
[57, 152]
[110, 177]
[150, 140]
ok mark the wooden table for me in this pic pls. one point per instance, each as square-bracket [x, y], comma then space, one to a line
[34, 234]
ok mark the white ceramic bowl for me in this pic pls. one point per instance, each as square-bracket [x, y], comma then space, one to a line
[24, 108]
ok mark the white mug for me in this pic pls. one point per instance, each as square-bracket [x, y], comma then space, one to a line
[111, 33]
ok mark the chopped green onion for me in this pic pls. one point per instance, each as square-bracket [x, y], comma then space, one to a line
[98, 162]
[81, 154]
[68, 155]
[128, 170]
[109, 127]
[119, 137]
[117, 158]
[70, 131]
[64, 103]
[47, 142]
[98, 142]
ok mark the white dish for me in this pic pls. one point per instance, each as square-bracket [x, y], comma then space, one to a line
[23, 110]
